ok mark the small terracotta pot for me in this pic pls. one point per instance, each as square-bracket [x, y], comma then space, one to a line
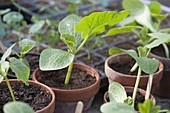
[163, 87]
[51, 105]
[66, 100]
[129, 80]
[130, 90]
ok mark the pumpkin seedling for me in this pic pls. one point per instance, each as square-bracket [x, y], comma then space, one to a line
[19, 66]
[70, 28]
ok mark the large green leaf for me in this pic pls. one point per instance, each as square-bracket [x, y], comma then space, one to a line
[13, 17]
[148, 107]
[26, 45]
[7, 53]
[160, 38]
[54, 59]
[125, 29]
[22, 71]
[98, 22]
[67, 26]
[140, 12]
[117, 92]
[115, 107]
[17, 107]
[35, 28]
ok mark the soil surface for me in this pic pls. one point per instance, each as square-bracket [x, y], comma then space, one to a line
[125, 68]
[35, 96]
[160, 50]
[79, 79]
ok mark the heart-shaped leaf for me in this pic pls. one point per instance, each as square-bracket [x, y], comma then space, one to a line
[17, 107]
[55, 59]
[155, 7]
[117, 92]
[98, 22]
[22, 71]
[26, 45]
[7, 53]
[115, 107]
[13, 17]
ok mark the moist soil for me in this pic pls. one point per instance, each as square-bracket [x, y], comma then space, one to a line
[160, 50]
[125, 68]
[79, 79]
[34, 95]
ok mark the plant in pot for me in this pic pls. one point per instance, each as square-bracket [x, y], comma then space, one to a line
[81, 82]
[39, 96]
[152, 18]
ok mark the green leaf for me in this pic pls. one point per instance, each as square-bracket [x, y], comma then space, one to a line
[115, 107]
[22, 71]
[55, 59]
[4, 66]
[147, 65]
[117, 92]
[26, 45]
[160, 38]
[17, 107]
[4, 11]
[98, 22]
[70, 41]
[160, 16]
[67, 26]
[125, 29]
[155, 7]
[35, 28]
[140, 12]
[7, 53]
[13, 17]
[148, 107]
[127, 21]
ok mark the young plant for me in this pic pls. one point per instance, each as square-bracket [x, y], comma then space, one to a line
[70, 28]
[41, 27]
[19, 66]
[14, 20]
[150, 14]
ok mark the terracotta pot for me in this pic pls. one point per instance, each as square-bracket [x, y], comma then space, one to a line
[130, 90]
[128, 80]
[66, 100]
[163, 87]
[47, 109]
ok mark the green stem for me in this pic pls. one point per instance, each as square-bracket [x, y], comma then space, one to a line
[148, 52]
[166, 50]
[164, 111]
[136, 85]
[69, 73]
[16, 53]
[149, 87]
[134, 67]
[9, 87]
[82, 44]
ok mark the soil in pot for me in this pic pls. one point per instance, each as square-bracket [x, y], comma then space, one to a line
[55, 79]
[34, 95]
[125, 68]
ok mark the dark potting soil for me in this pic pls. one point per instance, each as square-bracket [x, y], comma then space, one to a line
[79, 79]
[160, 50]
[35, 96]
[125, 68]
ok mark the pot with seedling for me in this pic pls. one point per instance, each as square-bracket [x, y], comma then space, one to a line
[152, 19]
[39, 96]
[81, 82]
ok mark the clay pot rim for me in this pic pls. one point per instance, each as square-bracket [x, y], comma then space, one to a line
[161, 66]
[96, 75]
[43, 87]
[131, 88]
[159, 57]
